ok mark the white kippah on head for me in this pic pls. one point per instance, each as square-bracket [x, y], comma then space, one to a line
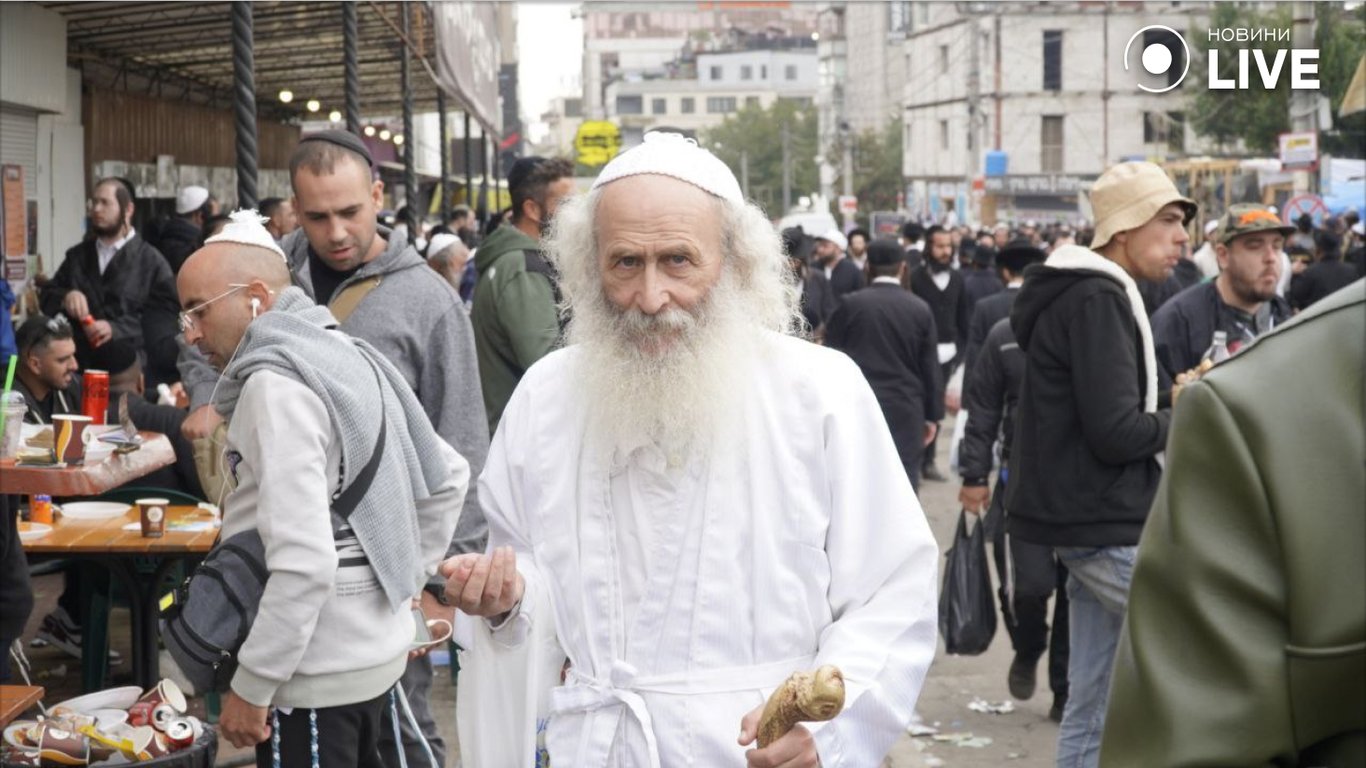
[190, 198]
[440, 242]
[246, 228]
[673, 154]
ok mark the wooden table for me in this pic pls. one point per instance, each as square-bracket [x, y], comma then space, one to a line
[105, 541]
[15, 699]
[89, 479]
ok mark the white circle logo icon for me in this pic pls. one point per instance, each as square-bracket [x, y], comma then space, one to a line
[1156, 57]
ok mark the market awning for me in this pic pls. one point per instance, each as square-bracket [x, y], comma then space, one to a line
[183, 51]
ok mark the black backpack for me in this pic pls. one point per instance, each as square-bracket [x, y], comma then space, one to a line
[205, 620]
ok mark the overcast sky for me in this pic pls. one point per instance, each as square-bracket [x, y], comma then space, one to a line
[550, 56]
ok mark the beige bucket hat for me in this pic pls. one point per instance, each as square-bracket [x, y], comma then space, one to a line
[1128, 195]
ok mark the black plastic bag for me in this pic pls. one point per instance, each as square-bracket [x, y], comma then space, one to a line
[967, 610]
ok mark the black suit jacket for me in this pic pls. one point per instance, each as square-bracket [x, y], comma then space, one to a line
[985, 315]
[137, 282]
[950, 307]
[890, 334]
[818, 300]
[845, 278]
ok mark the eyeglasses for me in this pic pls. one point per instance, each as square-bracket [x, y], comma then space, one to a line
[187, 316]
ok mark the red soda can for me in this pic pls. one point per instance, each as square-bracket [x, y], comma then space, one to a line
[95, 396]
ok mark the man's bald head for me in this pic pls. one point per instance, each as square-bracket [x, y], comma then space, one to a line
[223, 287]
[241, 263]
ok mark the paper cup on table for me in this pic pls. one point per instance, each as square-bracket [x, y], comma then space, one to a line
[152, 513]
[72, 436]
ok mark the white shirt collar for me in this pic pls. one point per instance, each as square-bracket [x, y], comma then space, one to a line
[107, 252]
[887, 280]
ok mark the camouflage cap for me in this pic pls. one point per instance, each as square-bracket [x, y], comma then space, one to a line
[1246, 218]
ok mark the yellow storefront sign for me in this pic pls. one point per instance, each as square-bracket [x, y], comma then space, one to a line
[597, 142]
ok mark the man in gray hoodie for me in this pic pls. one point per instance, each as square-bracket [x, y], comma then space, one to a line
[382, 291]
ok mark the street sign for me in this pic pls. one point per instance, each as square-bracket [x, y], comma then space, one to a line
[848, 204]
[1299, 151]
[597, 142]
[1299, 205]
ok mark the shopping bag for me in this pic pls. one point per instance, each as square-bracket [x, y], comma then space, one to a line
[967, 610]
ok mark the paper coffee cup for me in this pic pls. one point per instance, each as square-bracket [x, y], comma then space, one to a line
[152, 513]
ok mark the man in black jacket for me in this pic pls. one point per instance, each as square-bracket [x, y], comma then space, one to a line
[843, 275]
[1241, 301]
[107, 284]
[943, 289]
[184, 233]
[1323, 277]
[1028, 576]
[1010, 264]
[1088, 428]
[890, 334]
[818, 301]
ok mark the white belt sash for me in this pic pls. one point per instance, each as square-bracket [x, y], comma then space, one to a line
[605, 702]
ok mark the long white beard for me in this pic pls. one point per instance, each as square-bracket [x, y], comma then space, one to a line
[673, 378]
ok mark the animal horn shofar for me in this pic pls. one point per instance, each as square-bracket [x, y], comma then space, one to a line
[805, 696]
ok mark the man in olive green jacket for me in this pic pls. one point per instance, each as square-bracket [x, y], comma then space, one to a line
[514, 315]
[1245, 641]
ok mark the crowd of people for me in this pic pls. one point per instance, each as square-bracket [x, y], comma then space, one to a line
[659, 456]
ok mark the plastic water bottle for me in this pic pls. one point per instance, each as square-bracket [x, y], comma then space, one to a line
[1218, 350]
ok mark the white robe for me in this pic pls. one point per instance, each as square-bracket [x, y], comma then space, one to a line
[684, 595]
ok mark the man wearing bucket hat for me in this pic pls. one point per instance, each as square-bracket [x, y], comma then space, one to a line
[1089, 402]
[1241, 301]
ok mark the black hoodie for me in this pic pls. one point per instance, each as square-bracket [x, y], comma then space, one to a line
[1083, 469]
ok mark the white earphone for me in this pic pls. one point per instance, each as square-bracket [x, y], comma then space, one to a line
[255, 306]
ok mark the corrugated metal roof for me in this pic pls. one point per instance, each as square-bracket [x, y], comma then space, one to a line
[183, 51]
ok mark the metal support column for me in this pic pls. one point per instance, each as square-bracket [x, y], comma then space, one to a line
[495, 145]
[244, 103]
[411, 191]
[483, 175]
[445, 139]
[469, 164]
[351, 67]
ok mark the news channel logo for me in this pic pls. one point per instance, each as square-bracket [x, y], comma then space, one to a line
[1158, 56]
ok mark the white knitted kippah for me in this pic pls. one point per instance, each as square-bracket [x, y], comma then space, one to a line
[440, 242]
[673, 154]
[245, 228]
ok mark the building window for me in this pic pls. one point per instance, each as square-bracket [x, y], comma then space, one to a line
[943, 134]
[746, 72]
[720, 105]
[763, 71]
[801, 102]
[943, 59]
[573, 107]
[658, 106]
[1168, 128]
[899, 18]
[1052, 59]
[630, 105]
[752, 101]
[790, 71]
[715, 73]
[1050, 144]
[687, 105]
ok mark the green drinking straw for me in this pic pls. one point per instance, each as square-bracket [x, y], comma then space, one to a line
[9, 384]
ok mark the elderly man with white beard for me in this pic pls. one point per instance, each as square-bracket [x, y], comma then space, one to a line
[691, 502]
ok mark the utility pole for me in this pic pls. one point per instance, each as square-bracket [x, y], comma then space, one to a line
[787, 170]
[1303, 103]
[974, 105]
[744, 172]
[846, 138]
